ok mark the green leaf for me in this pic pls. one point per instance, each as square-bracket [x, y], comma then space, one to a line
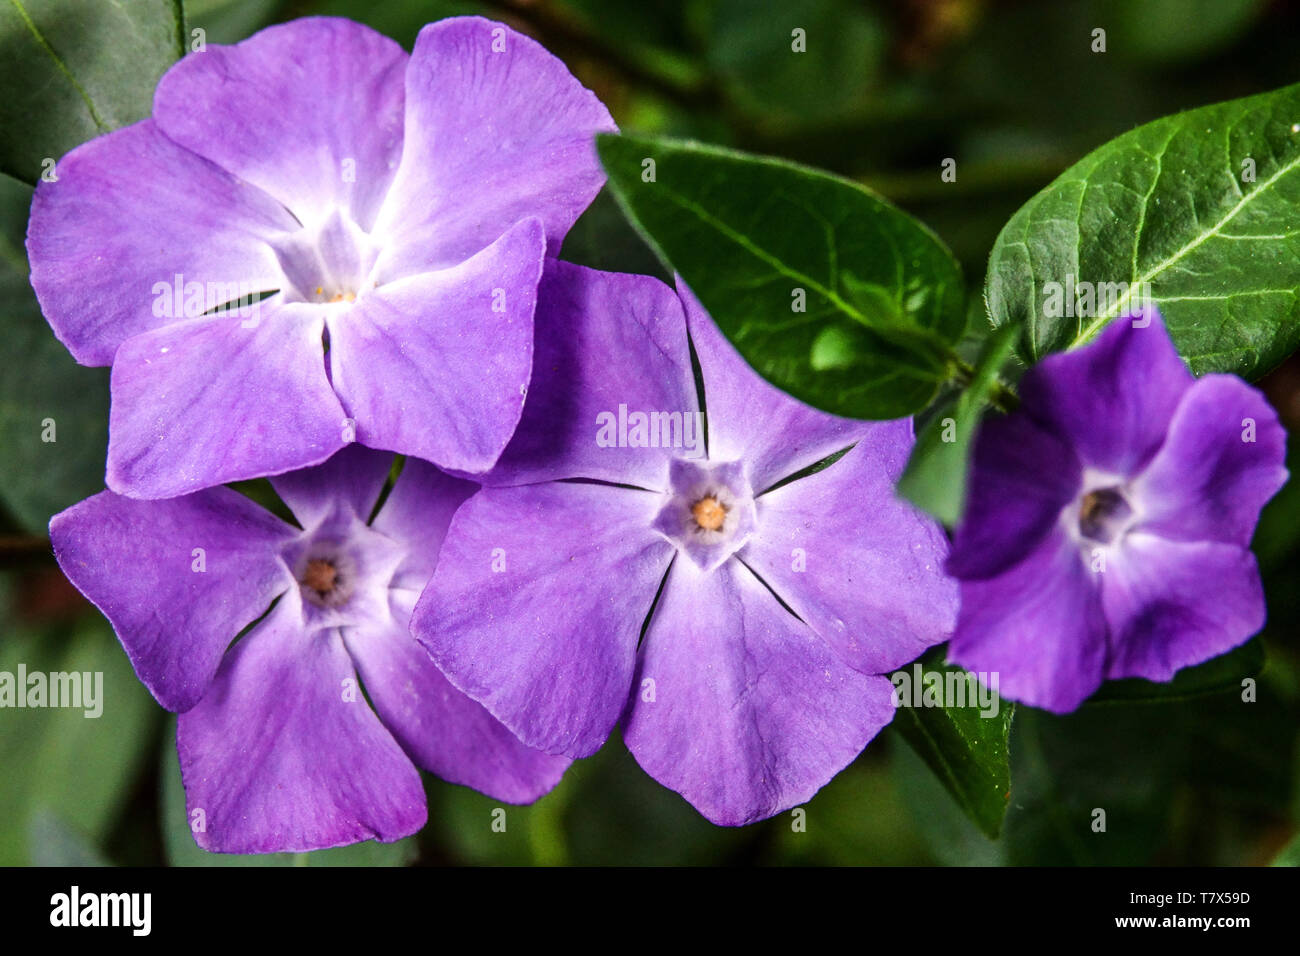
[965, 746]
[1166, 206]
[54, 413]
[181, 849]
[935, 477]
[75, 70]
[59, 761]
[1217, 675]
[757, 238]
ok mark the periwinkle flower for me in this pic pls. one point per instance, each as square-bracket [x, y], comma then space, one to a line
[398, 206]
[779, 603]
[279, 749]
[1108, 526]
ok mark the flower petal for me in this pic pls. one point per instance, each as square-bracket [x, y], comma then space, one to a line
[497, 129]
[861, 566]
[211, 401]
[283, 755]
[1039, 626]
[1021, 476]
[437, 365]
[749, 712]
[604, 342]
[1113, 399]
[1222, 461]
[1172, 604]
[178, 579]
[537, 604]
[749, 419]
[417, 513]
[441, 729]
[132, 216]
[311, 111]
[354, 476]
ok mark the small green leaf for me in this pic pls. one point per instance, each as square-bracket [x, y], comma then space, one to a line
[1217, 675]
[75, 70]
[935, 478]
[829, 292]
[965, 746]
[1199, 208]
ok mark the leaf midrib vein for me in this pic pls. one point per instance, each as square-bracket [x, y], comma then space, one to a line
[1194, 244]
[58, 62]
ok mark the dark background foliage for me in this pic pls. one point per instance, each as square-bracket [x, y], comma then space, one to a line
[886, 91]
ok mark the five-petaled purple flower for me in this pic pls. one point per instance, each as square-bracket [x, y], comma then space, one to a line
[399, 207]
[278, 746]
[1109, 521]
[545, 580]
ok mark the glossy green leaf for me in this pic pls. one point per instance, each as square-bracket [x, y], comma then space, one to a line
[935, 478]
[1199, 208]
[964, 744]
[827, 290]
[75, 70]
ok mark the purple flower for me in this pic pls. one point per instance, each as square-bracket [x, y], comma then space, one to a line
[744, 706]
[401, 206]
[1108, 525]
[279, 749]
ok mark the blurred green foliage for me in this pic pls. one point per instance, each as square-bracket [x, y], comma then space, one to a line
[884, 93]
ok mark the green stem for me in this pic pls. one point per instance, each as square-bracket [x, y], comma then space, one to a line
[1001, 395]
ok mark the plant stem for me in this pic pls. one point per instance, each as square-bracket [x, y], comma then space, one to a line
[1001, 395]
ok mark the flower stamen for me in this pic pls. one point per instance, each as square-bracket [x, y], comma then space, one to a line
[709, 513]
[1103, 515]
[321, 576]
